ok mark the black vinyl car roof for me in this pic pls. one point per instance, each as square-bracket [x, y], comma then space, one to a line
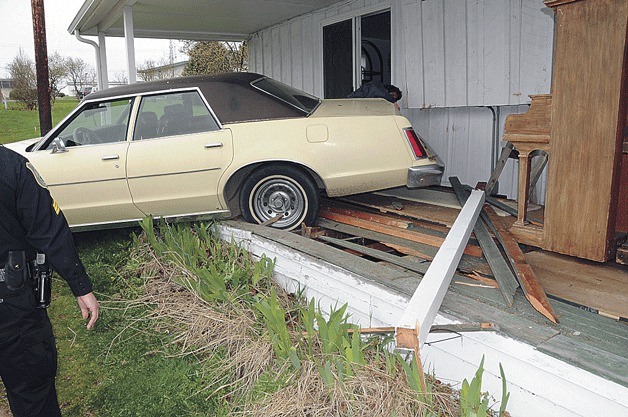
[231, 96]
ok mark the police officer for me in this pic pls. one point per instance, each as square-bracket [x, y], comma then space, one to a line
[31, 222]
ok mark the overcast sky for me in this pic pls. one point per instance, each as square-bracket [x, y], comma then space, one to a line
[16, 31]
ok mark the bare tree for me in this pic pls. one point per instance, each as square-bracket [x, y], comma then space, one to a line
[120, 77]
[57, 71]
[24, 80]
[150, 70]
[145, 70]
[80, 74]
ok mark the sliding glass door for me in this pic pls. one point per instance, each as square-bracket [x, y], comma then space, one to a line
[356, 51]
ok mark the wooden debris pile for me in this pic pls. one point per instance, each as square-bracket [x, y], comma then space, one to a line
[400, 230]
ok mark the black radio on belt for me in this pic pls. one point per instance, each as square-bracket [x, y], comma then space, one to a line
[42, 284]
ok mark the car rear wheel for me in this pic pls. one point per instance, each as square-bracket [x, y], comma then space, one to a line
[281, 196]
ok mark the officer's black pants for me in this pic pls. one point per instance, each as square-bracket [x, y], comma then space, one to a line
[28, 356]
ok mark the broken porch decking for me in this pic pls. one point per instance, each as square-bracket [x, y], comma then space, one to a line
[578, 367]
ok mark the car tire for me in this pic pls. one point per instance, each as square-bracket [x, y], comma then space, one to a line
[279, 190]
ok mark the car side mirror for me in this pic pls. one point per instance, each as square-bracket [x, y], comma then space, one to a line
[58, 145]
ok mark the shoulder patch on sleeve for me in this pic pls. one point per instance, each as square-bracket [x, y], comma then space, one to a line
[55, 207]
[38, 177]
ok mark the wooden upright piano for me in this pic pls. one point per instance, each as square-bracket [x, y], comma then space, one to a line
[581, 125]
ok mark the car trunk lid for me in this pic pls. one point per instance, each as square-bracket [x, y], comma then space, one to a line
[354, 107]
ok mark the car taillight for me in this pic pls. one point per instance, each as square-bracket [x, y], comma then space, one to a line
[415, 143]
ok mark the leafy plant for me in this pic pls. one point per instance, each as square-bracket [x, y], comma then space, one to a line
[274, 318]
[474, 403]
[215, 270]
[505, 393]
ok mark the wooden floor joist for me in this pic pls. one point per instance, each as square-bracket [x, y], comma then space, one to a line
[385, 225]
[444, 216]
[378, 254]
[527, 279]
[414, 266]
[468, 264]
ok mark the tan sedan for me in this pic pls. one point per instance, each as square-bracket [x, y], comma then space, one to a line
[224, 145]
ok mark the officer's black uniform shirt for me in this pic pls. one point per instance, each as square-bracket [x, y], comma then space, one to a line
[31, 220]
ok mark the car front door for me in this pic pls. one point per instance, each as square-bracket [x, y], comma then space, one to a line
[177, 156]
[87, 176]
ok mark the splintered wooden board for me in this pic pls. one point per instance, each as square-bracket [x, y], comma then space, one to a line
[433, 213]
[600, 286]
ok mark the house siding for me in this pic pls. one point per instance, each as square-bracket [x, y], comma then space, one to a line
[450, 58]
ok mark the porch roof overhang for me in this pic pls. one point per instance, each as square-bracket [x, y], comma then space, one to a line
[226, 20]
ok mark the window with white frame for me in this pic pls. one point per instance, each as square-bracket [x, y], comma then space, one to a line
[356, 51]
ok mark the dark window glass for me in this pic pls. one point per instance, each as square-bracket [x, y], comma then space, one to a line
[338, 59]
[375, 58]
[295, 97]
[171, 114]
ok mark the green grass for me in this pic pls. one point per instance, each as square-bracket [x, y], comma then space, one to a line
[16, 123]
[122, 367]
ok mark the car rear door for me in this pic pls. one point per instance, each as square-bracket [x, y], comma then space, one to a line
[177, 155]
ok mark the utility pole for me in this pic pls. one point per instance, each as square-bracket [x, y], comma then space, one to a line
[41, 66]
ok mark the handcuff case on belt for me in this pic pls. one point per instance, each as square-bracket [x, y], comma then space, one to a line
[16, 270]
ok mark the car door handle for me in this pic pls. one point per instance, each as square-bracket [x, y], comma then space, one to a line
[214, 145]
[110, 157]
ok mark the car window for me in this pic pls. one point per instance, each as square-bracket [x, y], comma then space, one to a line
[97, 123]
[170, 114]
[297, 98]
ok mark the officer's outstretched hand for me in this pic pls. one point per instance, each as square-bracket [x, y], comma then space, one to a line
[89, 308]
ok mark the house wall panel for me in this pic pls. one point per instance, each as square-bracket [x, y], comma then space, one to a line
[461, 137]
[267, 51]
[433, 30]
[413, 57]
[448, 53]
[310, 39]
[535, 50]
[286, 54]
[497, 46]
[455, 20]
[295, 42]
[276, 53]
[515, 38]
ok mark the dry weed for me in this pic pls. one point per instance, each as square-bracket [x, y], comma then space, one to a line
[370, 392]
[200, 328]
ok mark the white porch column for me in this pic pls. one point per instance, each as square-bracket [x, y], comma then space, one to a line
[130, 44]
[103, 73]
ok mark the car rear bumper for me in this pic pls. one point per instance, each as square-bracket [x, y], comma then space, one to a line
[425, 175]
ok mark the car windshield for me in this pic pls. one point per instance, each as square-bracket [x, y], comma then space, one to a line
[297, 98]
